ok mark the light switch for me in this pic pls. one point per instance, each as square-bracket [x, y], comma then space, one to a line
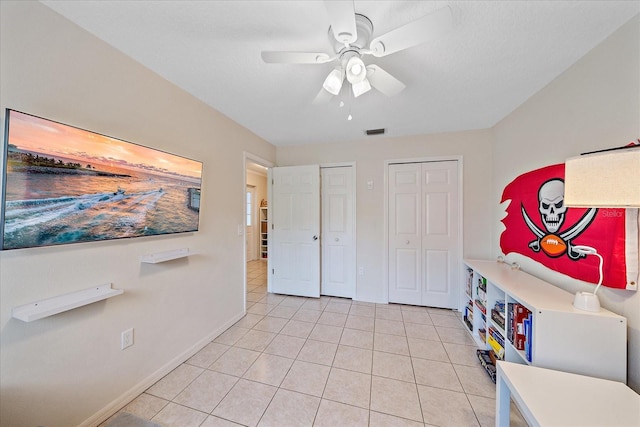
[369, 185]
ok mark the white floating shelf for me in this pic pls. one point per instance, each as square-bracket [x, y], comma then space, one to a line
[164, 256]
[50, 306]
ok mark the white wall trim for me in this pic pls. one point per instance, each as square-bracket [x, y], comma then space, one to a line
[119, 403]
[338, 165]
[385, 267]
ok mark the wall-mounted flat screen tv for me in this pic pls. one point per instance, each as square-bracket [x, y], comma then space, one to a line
[63, 184]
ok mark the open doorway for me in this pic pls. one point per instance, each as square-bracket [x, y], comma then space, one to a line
[256, 232]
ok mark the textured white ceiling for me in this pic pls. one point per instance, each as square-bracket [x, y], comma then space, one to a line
[498, 54]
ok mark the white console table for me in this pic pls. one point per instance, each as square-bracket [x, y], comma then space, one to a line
[554, 398]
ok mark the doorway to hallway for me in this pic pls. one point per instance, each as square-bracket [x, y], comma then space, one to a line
[256, 208]
[256, 280]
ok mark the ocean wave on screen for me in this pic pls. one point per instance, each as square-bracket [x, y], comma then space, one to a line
[20, 214]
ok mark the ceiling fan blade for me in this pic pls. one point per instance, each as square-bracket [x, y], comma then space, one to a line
[383, 81]
[342, 17]
[275, 57]
[322, 97]
[427, 28]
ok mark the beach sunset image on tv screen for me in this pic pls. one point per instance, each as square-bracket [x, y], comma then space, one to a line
[65, 185]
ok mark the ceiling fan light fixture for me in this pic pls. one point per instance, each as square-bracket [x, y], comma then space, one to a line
[333, 82]
[362, 87]
[356, 70]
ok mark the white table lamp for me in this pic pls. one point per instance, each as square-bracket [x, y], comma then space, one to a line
[588, 301]
[604, 179]
[607, 178]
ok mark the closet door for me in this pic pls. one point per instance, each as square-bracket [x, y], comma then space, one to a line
[423, 239]
[338, 232]
[405, 274]
[440, 234]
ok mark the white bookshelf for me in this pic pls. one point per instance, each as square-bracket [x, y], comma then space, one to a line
[264, 232]
[563, 337]
[50, 306]
[165, 256]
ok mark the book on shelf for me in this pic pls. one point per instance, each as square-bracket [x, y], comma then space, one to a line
[482, 295]
[468, 317]
[496, 347]
[509, 329]
[497, 317]
[480, 304]
[520, 313]
[496, 336]
[528, 336]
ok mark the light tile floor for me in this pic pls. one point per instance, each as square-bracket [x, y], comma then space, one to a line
[295, 361]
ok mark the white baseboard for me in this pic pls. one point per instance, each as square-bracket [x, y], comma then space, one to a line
[113, 407]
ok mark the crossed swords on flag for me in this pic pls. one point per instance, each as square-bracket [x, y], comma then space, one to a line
[555, 245]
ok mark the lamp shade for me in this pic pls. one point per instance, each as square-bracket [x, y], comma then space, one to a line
[356, 70]
[333, 82]
[604, 179]
[360, 88]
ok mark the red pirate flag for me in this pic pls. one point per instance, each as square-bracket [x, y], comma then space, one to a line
[539, 226]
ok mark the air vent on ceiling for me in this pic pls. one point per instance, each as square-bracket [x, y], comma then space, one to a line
[375, 131]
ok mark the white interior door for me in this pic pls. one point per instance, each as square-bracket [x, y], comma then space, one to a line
[440, 234]
[250, 224]
[423, 233]
[295, 246]
[338, 230]
[404, 234]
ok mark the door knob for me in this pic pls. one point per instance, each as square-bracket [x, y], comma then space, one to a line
[408, 242]
[315, 237]
[337, 239]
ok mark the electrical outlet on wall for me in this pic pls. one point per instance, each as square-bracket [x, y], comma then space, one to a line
[126, 339]
[361, 271]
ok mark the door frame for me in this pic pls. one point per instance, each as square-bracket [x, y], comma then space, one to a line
[248, 157]
[458, 262]
[354, 194]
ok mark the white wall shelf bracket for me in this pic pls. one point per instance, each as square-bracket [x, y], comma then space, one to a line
[165, 256]
[50, 306]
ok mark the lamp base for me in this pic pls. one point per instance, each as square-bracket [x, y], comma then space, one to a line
[586, 301]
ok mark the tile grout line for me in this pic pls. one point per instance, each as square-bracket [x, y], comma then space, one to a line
[378, 313]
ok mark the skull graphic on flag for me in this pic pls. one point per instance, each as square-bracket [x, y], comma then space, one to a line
[538, 225]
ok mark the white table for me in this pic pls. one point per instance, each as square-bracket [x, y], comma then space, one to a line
[554, 398]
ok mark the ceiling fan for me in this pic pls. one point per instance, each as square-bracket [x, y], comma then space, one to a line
[350, 37]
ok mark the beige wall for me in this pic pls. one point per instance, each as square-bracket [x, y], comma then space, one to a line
[370, 157]
[594, 105]
[67, 369]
